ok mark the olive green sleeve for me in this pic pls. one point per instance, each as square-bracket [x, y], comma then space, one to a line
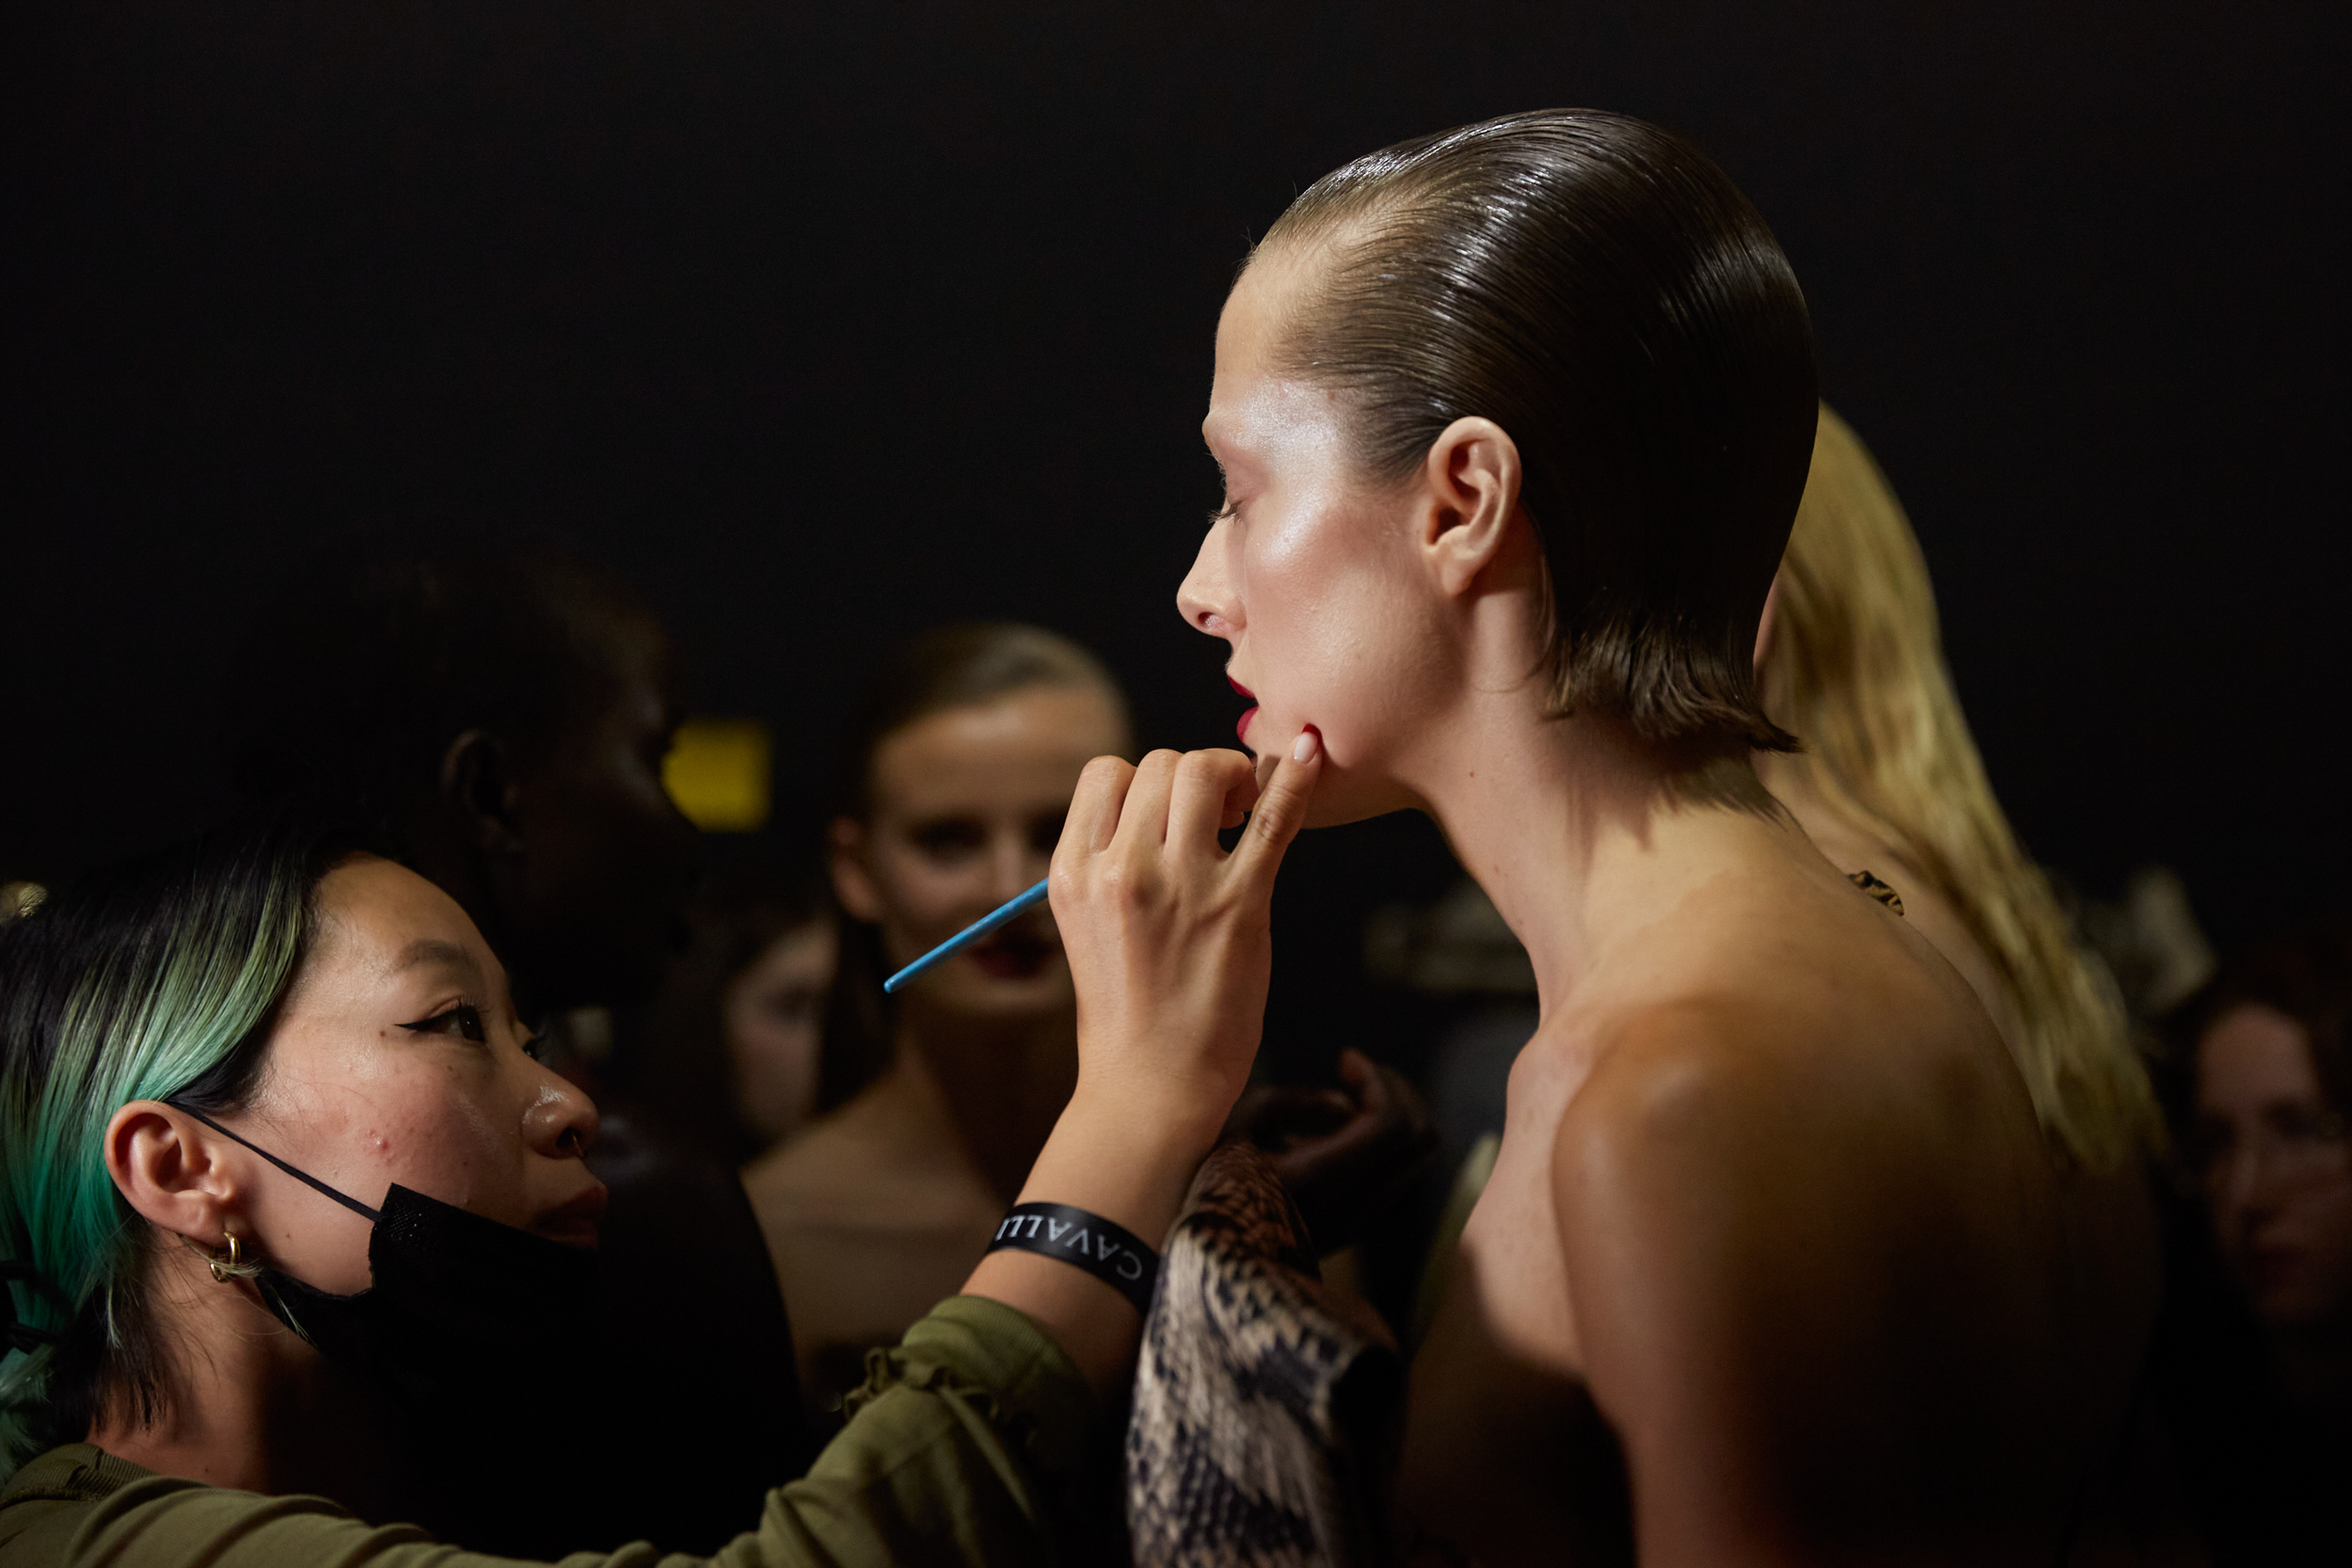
[975, 1442]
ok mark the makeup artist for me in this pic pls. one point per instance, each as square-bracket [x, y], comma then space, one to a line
[493, 710]
[273, 1127]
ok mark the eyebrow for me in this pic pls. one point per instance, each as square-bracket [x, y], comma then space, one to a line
[432, 950]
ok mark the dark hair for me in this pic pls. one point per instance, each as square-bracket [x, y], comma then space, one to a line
[159, 978]
[957, 666]
[377, 654]
[1602, 292]
[2307, 975]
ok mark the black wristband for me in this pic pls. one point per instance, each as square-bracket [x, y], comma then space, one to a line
[1111, 1253]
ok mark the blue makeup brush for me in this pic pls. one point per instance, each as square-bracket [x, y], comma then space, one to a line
[969, 935]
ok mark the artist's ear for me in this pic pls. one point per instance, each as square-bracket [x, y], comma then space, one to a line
[176, 1173]
[1470, 489]
[852, 875]
[1764, 628]
[478, 785]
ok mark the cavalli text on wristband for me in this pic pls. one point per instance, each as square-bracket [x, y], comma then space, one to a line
[1112, 1253]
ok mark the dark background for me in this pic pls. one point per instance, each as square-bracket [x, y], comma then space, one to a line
[824, 324]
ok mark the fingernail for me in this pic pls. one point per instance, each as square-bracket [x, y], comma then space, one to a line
[1306, 745]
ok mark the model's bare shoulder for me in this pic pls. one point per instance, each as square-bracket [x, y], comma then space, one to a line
[1811, 1244]
[1713, 1150]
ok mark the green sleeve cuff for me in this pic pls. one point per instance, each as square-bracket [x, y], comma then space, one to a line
[999, 1361]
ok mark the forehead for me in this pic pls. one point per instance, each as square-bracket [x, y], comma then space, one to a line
[1025, 745]
[1258, 412]
[374, 913]
[1257, 314]
[2254, 1055]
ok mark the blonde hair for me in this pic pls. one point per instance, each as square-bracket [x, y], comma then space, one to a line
[1855, 668]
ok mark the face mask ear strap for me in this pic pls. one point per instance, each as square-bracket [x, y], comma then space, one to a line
[352, 1204]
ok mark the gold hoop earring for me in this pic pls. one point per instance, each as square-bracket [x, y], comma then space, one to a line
[223, 1273]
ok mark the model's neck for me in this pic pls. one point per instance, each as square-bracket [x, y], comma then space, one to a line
[248, 1404]
[1577, 831]
[994, 1088]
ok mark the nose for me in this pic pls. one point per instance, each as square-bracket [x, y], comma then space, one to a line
[1015, 862]
[2246, 1191]
[561, 1123]
[1205, 598]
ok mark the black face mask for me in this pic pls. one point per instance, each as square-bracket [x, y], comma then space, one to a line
[460, 1310]
[474, 1337]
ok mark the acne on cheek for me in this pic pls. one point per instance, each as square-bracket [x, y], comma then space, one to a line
[421, 1131]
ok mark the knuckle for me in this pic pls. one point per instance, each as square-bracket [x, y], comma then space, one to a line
[1124, 885]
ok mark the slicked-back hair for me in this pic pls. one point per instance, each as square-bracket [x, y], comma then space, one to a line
[1602, 292]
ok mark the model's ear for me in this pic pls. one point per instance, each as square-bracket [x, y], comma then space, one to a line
[1764, 628]
[176, 1172]
[1471, 476]
[478, 785]
[852, 875]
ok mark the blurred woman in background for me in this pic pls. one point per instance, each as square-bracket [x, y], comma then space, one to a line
[1850, 660]
[956, 775]
[2259, 1366]
[771, 1014]
[2273, 1086]
[735, 1038]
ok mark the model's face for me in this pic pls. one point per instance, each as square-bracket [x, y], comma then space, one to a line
[773, 1014]
[2278, 1169]
[1308, 571]
[967, 807]
[609, 859]
[399, 1059]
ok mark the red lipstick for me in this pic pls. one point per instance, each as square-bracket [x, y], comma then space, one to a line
[1241, 726]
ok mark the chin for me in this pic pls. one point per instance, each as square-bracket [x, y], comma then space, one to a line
[995, 997]
[1341, 799]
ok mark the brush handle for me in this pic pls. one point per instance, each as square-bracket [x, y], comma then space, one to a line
[969, 935]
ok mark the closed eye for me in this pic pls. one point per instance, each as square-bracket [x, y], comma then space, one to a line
[463, 1022]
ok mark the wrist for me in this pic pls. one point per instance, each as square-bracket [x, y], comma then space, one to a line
[1124, 1156]
[1159, 1121]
